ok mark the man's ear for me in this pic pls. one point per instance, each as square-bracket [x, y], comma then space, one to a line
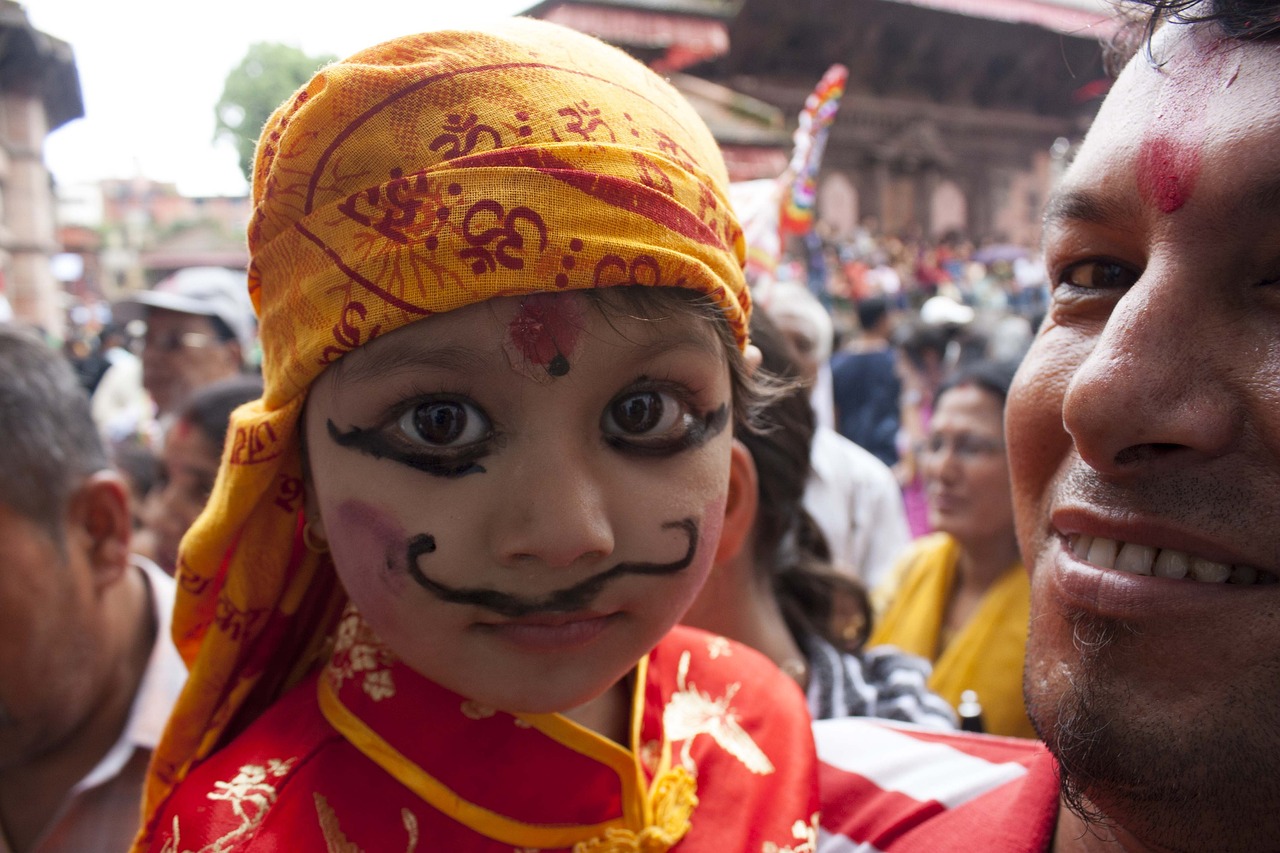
[740, 506]
[99, 518]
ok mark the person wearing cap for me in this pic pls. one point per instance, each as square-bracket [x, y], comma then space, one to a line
[432, 602]
[200, 329]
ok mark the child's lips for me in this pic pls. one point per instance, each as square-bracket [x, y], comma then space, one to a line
[550, 631]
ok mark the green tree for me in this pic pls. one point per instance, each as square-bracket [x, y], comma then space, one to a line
[268, 74]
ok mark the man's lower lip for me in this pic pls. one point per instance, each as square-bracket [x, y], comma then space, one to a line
[1137, 598]
[551, 634]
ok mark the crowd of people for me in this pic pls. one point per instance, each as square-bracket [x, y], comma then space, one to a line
[365, 564]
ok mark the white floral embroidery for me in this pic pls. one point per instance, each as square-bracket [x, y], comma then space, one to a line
[251, 793]
[718, 647]
[805, 833]
[379, 685]
[691, 712]
[473, 710]
[357, 653]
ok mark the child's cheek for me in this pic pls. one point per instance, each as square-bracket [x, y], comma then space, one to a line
[368, 547]
[712, 525]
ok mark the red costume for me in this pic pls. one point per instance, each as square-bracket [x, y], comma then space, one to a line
[369, 755]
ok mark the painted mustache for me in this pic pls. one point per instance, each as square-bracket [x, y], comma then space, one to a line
[576, 597]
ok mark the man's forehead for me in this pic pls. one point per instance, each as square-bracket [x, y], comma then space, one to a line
[1199, 113]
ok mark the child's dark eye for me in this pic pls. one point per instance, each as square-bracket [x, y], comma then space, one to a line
[445, 423]
[642, 413]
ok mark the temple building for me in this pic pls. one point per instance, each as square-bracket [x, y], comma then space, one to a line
[957, 113]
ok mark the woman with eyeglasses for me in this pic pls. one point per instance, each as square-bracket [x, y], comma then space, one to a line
[960, 596]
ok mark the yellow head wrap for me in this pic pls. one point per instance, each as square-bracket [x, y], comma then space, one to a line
[420, 176]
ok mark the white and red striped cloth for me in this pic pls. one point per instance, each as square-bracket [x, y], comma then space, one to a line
[896, 788]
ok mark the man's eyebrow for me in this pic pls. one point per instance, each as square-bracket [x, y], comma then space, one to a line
[1084, 206]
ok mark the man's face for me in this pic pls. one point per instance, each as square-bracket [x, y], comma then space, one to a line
[181, 353]
[48, 668]
[1144, 440]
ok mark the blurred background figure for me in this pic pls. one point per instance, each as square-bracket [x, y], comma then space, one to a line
[200, 328]
[922, 360]
[188, 464]
[773, 586]
[121, 406]
[851, 495]
[865, 385]
[88, 673]
[960, 597]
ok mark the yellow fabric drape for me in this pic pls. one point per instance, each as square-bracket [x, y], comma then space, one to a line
[420, 176]
[986, 655]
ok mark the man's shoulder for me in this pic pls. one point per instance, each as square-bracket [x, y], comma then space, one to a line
[897, 788]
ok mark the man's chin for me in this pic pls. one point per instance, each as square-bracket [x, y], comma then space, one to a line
[1177, 779]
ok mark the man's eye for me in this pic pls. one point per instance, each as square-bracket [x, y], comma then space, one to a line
[444, 423]
[1098, 275]
[643, 413]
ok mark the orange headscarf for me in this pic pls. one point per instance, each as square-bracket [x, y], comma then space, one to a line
[416, 177]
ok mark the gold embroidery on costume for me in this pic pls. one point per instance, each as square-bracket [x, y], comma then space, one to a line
[805, 833]
[355, 652]
[674, 797]
[336, 840]
[691, 712]
[250, 794]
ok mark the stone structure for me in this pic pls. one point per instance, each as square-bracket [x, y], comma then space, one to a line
[39, 92]
[954, 111]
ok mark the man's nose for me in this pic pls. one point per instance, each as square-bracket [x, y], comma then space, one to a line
[1156, 386]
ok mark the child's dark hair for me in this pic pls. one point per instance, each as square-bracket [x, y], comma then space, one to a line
[789, 547]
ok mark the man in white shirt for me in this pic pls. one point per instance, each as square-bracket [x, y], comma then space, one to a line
[87, 668]
[853, 496]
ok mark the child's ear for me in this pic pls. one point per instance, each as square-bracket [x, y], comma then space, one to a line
[741, 504]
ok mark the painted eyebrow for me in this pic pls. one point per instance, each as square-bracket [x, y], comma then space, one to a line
[391, 360]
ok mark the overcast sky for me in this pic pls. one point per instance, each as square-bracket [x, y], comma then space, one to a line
[151, 71]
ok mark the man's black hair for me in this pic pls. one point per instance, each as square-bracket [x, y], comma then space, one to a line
[50, 441]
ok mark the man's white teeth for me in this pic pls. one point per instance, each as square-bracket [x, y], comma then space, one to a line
[1172, 564]
[1137, 559]
[1163, 562]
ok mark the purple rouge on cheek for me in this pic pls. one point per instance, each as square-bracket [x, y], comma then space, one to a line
[361, 533]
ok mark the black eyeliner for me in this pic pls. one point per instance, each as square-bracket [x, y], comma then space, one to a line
[372, 443]
[697, 433]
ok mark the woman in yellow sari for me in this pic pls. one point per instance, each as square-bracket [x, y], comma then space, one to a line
[960, 596]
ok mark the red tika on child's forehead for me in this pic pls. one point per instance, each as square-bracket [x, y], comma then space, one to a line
[545, 330]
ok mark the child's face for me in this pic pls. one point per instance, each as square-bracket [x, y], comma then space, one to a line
[522, 496]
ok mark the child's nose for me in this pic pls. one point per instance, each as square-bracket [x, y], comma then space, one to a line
[556, 513]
